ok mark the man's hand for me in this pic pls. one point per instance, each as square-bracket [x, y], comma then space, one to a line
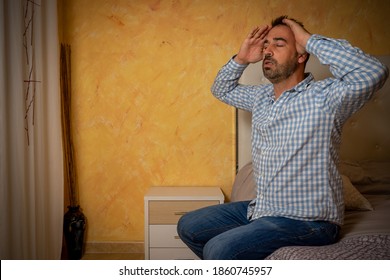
[301, 35]
[251, 50]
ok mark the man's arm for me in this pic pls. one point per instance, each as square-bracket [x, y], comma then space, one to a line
[226, 87]
[359, 75]
[360, 71]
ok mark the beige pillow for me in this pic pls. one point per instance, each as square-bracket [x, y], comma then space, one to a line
[244, 187]
[353, 199]
[353, 171]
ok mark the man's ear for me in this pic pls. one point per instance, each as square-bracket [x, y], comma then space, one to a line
[302, 58]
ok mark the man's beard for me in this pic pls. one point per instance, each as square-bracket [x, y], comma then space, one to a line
[279, 72]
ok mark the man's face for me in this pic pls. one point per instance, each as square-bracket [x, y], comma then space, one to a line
[280, 55]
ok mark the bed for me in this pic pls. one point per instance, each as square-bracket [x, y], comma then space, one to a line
[365, 169]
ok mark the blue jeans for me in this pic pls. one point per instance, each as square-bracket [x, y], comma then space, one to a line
[223, 232]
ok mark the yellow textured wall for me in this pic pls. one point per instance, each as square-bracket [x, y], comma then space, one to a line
[143, 114]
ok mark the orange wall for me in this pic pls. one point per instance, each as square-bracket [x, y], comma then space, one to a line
[143, 114]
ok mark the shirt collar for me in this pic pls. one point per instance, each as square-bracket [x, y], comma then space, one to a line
[300, 87]
[303, 85]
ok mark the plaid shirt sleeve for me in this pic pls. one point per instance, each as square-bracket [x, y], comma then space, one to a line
[357, 74]
[227, 88]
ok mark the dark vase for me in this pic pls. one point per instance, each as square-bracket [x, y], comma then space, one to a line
[74, 228]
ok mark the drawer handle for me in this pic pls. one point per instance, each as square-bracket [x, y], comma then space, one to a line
[176, 237]
[180, 213]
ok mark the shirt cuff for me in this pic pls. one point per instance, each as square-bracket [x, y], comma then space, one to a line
[233, 65]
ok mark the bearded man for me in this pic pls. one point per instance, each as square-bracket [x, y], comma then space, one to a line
[296, 133]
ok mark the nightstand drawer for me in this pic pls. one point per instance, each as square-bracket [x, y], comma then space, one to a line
[172, 254]
[164, 236]
[169, 212]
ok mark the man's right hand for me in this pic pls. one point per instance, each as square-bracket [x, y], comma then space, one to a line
[251, 50]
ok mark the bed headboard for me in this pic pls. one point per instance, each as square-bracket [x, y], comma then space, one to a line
[366, 135]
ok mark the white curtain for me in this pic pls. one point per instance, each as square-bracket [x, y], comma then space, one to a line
[31, 161]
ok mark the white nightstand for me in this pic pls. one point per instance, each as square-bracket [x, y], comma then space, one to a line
[163, 208]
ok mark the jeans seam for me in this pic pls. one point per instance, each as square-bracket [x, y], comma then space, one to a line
[226, 228]
[330, 233]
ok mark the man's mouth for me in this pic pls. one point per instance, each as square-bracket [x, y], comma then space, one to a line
[267, 63]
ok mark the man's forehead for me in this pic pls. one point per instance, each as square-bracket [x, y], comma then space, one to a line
[280, 33]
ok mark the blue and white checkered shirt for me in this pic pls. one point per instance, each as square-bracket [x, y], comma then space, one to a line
[295, 139]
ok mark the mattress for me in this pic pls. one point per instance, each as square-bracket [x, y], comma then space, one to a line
[376, 221]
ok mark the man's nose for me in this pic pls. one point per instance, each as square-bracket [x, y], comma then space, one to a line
[268, 52]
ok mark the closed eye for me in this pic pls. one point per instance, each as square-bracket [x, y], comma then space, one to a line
[280, 42]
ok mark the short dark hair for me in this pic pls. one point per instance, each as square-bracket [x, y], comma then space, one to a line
[279, 21]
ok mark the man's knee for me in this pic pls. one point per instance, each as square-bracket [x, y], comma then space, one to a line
[182, 225]
[217, 249]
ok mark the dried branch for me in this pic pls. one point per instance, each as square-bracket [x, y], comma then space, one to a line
[30, 92]
[70, 179]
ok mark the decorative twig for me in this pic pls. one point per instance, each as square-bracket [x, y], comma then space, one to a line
[70, 179]
[28, 36]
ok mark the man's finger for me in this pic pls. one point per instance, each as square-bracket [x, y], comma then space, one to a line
[253, 32]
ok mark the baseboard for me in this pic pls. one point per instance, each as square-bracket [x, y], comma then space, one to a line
[136, 247]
